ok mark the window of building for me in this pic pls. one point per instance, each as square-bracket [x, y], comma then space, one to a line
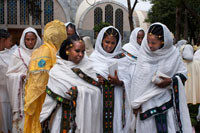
[36, 18]
[1, 11]
[98, 17]
[12, 11]
[24, 13]
[109, 14]
[48, 11]
[119, 21]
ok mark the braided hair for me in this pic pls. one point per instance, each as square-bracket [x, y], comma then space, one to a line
[157, 30]
[67, 44]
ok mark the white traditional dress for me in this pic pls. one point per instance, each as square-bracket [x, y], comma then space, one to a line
[197, 55]
[131, 50]
[63, 79]
[5, 108]
[16, 75]
[192, 84]
[113, 97]
[162, 109]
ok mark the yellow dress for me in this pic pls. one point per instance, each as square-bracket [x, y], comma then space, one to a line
[42, 60]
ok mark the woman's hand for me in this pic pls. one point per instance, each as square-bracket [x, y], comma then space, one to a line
[115, 80]
[135, 111]
[165, 82]
[100, 79]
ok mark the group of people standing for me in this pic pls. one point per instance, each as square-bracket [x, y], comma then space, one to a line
[57, 87]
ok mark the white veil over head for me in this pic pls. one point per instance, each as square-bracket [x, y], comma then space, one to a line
[133, 47]
[167, 60]
[22, 44]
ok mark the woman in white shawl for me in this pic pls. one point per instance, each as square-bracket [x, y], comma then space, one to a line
[193, 67]
[161, 101]
[73, 98]
[132, 48]
[5, 108]
[107, 52]
[71, 29]
[16, 74]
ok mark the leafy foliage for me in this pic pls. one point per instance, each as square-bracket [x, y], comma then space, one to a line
[97, 28]
[164, 11]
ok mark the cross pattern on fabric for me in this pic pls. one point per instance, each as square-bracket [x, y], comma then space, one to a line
[108, 107]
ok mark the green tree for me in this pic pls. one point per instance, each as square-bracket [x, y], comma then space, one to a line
[181, 17]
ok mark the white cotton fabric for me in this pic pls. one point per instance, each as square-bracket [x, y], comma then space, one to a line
[16, 74]
[61, 79]
[101, 60]
[180, 43]
[192, 84]
[187, 52]
[133, 47]
[88, 45]
[197, 55]
[146, 94]
[5, 108]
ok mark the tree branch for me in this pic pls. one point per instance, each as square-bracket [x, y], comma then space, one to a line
[132, 9]
[193, 13]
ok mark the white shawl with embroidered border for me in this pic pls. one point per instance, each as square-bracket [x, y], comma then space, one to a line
[17, 69]
[61, 79]
[166, 60]
[101, 60]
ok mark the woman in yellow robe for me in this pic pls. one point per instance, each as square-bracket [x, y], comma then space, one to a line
[42, 60]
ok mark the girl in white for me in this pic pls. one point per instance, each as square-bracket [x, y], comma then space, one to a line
[160, 105]
[114, 103]
[73, 93]
[16, 75]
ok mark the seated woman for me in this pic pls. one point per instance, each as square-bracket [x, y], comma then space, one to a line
[73, 94]
[16, 74]
[113, 78]
[158, 91]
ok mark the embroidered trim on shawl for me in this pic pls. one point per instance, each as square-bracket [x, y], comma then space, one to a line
[108, 107]
[161, 123]
[22, 58]
[175, 93]
[119, 56]
[132, 56]
[85, 77]
[68, 109]
[156, 110]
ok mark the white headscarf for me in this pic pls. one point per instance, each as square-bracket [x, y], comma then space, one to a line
[22, 44]
[133, 47]
[187, 52]
[61, 79]
[166, 60]
[180, 43]
[66, 24]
